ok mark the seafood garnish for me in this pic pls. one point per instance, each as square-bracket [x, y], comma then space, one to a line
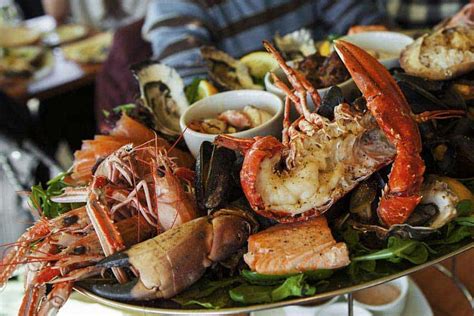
[296, 45]
[162, 92]
[174, 260]
[296, 247]
[226, 71]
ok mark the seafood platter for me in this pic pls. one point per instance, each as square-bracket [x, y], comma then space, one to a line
[352, 194]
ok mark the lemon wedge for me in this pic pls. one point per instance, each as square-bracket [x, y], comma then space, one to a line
[325, 48]
[259, 63]
[205, 89]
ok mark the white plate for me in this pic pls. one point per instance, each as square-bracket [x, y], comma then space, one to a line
[416, 305]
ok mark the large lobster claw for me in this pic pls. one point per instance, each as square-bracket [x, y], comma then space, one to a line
[174, 260]
[388, 105]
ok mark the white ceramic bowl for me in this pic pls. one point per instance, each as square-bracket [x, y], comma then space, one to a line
[348, 87]
[341, 309]
[391, 43]
[394, 308]
[232, 100]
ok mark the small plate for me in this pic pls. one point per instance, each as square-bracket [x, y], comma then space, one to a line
[94, 49]
[64, 34]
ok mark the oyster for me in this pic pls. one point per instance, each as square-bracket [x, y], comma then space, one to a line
[226, 71]
[162, 92]
[437, 192]
[295, 45]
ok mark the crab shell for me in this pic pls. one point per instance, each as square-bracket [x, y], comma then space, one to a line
[162, 92]
[443, 43]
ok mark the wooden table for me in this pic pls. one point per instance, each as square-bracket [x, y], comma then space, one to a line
[65, 76]
[442, 294]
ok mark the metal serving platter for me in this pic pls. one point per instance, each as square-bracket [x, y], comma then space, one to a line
[139, 307]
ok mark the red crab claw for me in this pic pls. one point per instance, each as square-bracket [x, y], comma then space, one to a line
[388, 105]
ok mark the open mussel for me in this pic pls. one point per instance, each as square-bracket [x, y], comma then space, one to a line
[162, 92]
[226, 71]
[214, 178]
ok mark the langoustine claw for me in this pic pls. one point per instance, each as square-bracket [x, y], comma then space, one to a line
[174, 260]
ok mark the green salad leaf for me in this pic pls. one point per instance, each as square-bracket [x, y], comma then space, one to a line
[256, 294]
[397, 249]
[208, 294]
[40, 197]
[268, 279]
[124, 108]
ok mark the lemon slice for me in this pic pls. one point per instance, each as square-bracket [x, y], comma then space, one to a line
[205, 89]
[325, 48]
[259, 63]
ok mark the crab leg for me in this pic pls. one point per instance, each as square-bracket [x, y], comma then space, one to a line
[388, 105]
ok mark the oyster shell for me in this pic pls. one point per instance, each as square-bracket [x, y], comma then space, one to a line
[437, 192]
[226, 71]
[162, 92]
[295, 45]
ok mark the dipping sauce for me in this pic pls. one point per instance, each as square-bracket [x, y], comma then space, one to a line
[231, 121]
[378, 295]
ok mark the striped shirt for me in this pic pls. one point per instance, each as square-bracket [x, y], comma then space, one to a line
[422, 13]
[177, 28]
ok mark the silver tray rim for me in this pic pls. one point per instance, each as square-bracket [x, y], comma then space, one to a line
[251, 308]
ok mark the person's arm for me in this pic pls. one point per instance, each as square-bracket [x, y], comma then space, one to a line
[176, 29]
[58, 9]
[338, 16]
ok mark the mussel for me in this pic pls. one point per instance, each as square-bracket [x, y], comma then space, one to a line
[226, 71]
[329, 101]
[162, 92]
[214, 179]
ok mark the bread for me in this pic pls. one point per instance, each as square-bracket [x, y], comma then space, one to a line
[441, 55]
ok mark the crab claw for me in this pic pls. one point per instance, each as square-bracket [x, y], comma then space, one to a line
[130, 291]
[174, 260]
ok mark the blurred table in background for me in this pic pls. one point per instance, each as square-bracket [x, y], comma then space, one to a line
[65, 76]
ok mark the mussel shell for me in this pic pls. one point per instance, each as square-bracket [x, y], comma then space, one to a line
[213, 176]
[330, 100]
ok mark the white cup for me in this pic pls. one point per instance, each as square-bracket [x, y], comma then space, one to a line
[394, 308]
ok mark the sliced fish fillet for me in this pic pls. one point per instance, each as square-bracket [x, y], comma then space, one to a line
[296, 247]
